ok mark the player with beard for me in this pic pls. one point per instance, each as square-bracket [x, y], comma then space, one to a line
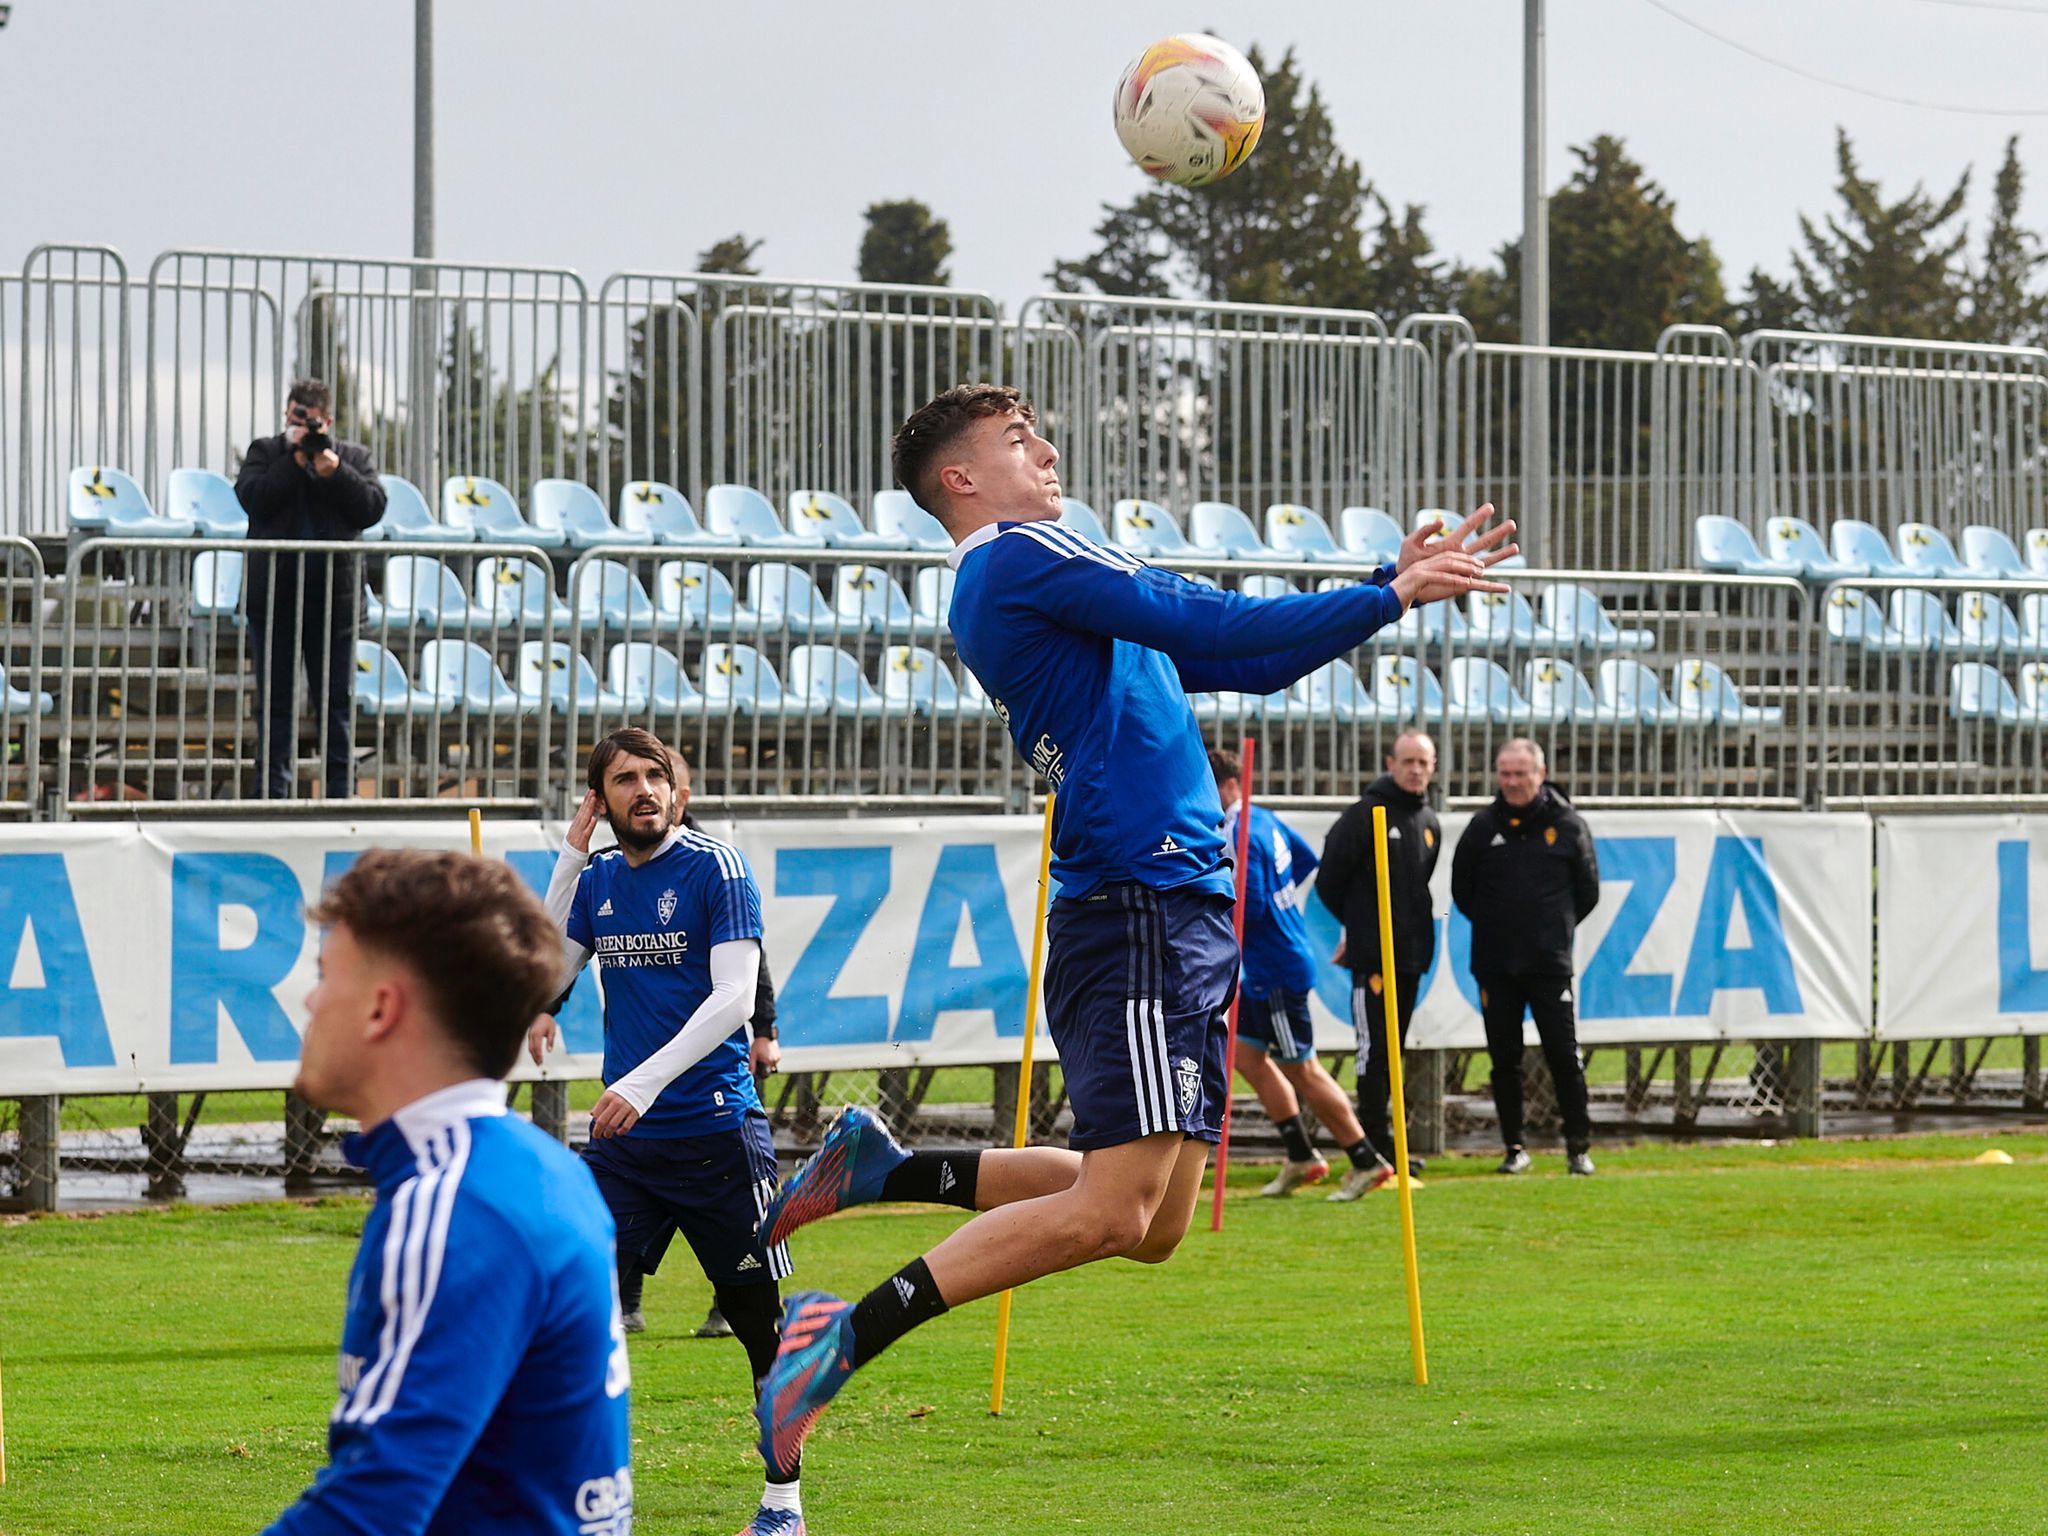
[679, 1141]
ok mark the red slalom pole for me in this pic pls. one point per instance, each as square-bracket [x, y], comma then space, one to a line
[1244, 841]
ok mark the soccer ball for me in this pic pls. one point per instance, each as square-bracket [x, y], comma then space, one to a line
[1189, 109]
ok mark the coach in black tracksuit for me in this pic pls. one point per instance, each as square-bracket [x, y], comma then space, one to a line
[303, 484]
[1526, 876]
[1347, 882]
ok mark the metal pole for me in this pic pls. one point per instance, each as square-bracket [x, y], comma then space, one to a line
[1534, 512]
[423, 129]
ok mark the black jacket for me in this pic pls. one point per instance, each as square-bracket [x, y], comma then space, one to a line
[1347, 881]
[286, 500]
[1526, 879]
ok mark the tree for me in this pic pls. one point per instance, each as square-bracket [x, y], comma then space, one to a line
[1400, 279]
[1129, 259]
[1883, 269]
[733, 254]
[905, 244]
[1768, 305]
[2005, 305]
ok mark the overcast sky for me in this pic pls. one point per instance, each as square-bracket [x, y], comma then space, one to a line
[612, 134]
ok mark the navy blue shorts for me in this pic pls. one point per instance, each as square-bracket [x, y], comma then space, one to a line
[1137, 988]
[710, 1188]
[1279, 1024]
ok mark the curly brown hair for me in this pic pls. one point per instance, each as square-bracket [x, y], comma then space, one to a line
[631, 742]
[933, 430]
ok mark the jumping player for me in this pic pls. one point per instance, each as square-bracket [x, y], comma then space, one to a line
[1088, 654]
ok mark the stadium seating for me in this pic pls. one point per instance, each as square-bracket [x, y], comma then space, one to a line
[1433, 624]
[21, 701]
[208, 501]
[607, 595]
[1796, 541]
[1978, 691]
[1855, 542]
[915, 679]
[661, 514]
[829, 681]
[461, 675]
[640, 669]
[1333, 692]
[821, 517]
[381, 687]
[518, 594]
[898, 517]
[2034, 621]
[869, 600]
[1921, 622]
[1722, 544]
[1631, 690]
[408, 520]
[217, 584]
[737, 678]
[106, 502]
[784, 597]
[419, 591]
[694, 595]
[1299, 530]
[1704, 691]
[1082, 518]
[2034, 693]
[1148, 530]
[1499, 620]
[571, 509]
[931, 596]
[1988, 552]
[1223, 532]
[556, 673]
[1986, 627]
[1370, 535]
[1557, 692]
[1853, 619]
[1576, 616]
[1404, 689]
[1265, 585]
[2037, 551]
[490, 513]
[1480, 690]
[739, 514]
[1924, 550]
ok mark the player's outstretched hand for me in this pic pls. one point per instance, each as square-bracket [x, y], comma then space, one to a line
[1491, 546]
[540, 1037]
[1450, 572]
[611, 1116]
[587, 811]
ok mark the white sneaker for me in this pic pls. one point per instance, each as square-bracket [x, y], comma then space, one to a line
[1360, 1182]
[1579, 1163]
[1517, 1160]
[1293, 1175]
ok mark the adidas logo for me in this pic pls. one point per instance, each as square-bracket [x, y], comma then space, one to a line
[1168, 845]
[606, 909]
[1393, 833]
[749, 1262]
[946, 1179]
[904, 1289]
[1498, 841]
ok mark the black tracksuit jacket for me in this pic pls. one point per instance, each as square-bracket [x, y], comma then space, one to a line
[1347, 881]
[1526, 879]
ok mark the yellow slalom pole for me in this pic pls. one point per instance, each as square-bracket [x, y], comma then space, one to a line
[476, 831]
[1022, 1134]
[1397, 1091]
[3, 1450]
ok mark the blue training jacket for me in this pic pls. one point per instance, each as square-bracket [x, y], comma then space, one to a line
[483, 1363]
[1089, 655]
[1277, 953]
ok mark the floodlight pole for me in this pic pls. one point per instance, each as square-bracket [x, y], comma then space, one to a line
[425, 388]
[423, 129]
[1533, 514]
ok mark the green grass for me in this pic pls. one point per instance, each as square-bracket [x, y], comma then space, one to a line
[1836, 1337]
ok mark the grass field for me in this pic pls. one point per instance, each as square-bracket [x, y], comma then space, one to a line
[1837, 1337]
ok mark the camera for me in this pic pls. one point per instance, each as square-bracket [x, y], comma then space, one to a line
[314, 442]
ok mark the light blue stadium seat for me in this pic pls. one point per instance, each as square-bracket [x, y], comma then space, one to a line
[606, 593]
[931, 597]
[208, 501]
[1404, 689]
[374, 616]
[1723, 544]
[2034, 693]
[1481, 693]
[1370, 535]
[490, 513]
[1631, 690]
[830, 681]
[1987, 628]
[741, 514]
[1703, 689]
[571, 508]
[518, 594]
[23, 701]
[663, 514]
[899, 517]
[1222, 531]
[2037, 552]
[1922, 622]
[553, 670]
[105, 501]
[1577, 617]
[381, 687]
[1265, 586]
[1558, 691]
[420, 591]
[408, 519]
[1979, 691]
[1333, 692]
[2034, 621]
[785, 597]
[1434, 624]
[694, 595]
[1987, 551]
[1796, 540]
[1082, 518]
[835, 521]
[1853, 619]
[1233, 707]
[868, 599]
[915, 681]
[1297, 530]
[648, 676]
[738, 678]
[461, 675]
[1148, 530]
[1504, 620]
[1924, 550]
[217, 584]
[1855, 542]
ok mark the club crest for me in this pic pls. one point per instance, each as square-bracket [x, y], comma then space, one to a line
[665, 906]
[1190, 1077]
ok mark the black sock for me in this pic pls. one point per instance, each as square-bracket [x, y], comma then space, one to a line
[631, 1277]
[755, 1312]
[935, 1178]
[1362, 1154]
[893, 1308]
[1294, 1136]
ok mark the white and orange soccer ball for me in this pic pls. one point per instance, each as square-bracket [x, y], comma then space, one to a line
[1189, 109]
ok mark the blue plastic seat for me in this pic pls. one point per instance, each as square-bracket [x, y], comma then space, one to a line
[105, 501]
[552, 671]
[571, 508]
[490, 513]
[785, 598]
[1924, 550]
[2034, 693]
[1722, 544]
[2037, 552]
[915, 681]
[1986, 627]
[462, 676]
[217, 584]
[1979, 691]
[931, 597]
[648, 676]
[208, 501]
[408, 519]
[1404, 689]
[1433, 624]
[738, 679]
[23, 701]
[1702, 688]
[1223, 532]
[662, 514]
[1577, 617]
[420, 591]
[1505, 621]
[605, 594]
[1855, 542]
[1796, 540]
[1148, 530]
[1298, 530]
[1558, 691]
[1333, 692]
[740, 514]
[381, 687]
[1922, 622]
[1989, 552]
[898, 517]
[1853, 619]
[694, 595]
[868, 599]
[517, 594]
[831, 682]
[1370, 535]
[1631, 690]
[1082, 518]
[1265, 586]
[835, 522]
[2034, 621]
[1480, 692]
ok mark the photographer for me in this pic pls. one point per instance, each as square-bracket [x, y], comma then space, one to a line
[304, 484]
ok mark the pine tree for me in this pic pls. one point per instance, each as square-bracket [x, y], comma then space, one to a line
[2006, 306]
[1883, 269]
[1400, 279]
[903, 243]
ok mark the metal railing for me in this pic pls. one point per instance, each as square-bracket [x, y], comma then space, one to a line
[22, 693]
[73, 360]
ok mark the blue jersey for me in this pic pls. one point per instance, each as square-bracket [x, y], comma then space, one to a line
[651, 931]
[483, 1366]
[1277, 956]
[1089, 655]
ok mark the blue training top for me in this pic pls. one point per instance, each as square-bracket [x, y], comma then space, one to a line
[651, 930]
[1089, 655]
[1277, 955]
[483, 1370]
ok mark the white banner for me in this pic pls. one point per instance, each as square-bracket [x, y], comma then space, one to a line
[1962, 926]
[176, 956]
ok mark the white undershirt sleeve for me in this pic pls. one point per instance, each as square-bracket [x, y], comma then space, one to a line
[561, 896]
[735, 974]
